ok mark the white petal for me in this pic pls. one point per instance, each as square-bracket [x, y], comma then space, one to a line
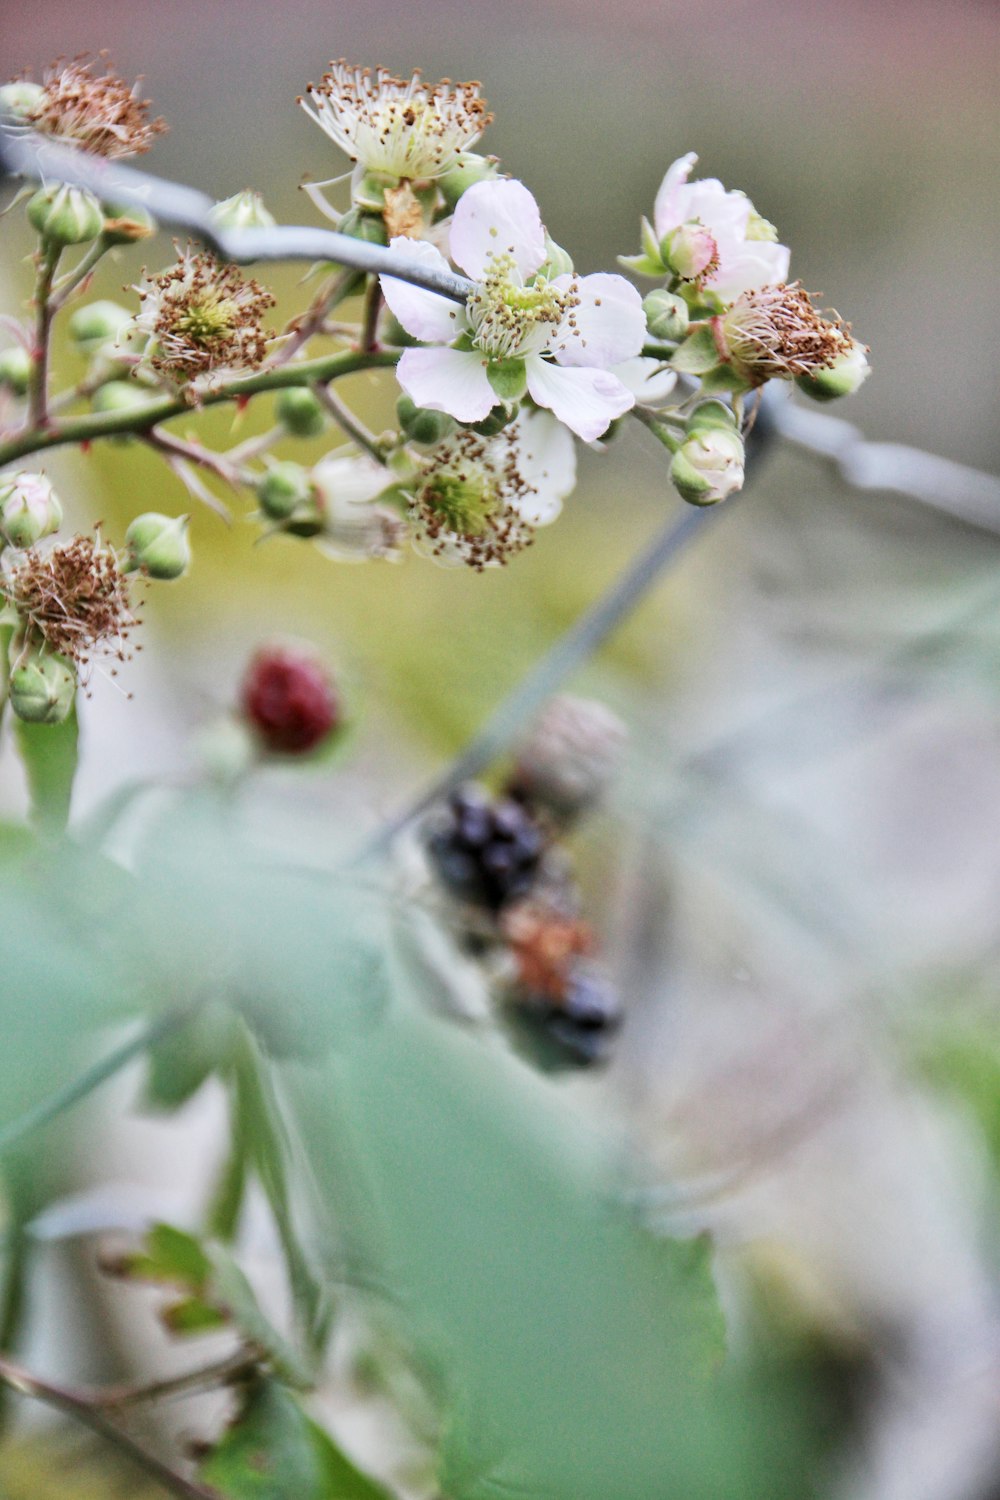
[424, 315]
[666, 208]
[586, 400]
[447, 380]
[345, 481]
[606, 326]
[493, 218]
[649, 380]
[757, 263]
[546, 459]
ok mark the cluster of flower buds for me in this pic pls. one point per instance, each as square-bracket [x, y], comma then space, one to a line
[67, 605]
[503, 861]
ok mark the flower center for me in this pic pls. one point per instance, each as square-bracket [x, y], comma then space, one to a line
[512, 319]
[465, 505]
[205, 322]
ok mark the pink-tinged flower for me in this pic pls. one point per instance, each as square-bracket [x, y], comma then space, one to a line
[519, 331]
[746, 253]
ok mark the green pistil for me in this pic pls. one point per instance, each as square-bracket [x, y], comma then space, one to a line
[462, 504]
[204, 322]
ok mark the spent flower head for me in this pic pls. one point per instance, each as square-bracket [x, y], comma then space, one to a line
[202, 318]
[402, 128]
[775, 332]
[73, 598]
[83, 103]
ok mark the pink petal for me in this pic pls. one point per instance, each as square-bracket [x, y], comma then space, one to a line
[424, 315]
[666, 209]
[493, 218]
[447, 380]
[756, 263]
[586, 400]
[608, 323]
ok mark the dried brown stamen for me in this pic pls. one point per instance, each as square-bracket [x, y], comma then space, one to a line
[776, 332]
[74, 598]
[203, 317]
[95, 110]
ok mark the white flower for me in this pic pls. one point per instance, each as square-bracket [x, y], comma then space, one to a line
[478, 500]
[649, 380]
[743, 260]
[202, 320]
[400, 127]
[559, 338]
[355, 528]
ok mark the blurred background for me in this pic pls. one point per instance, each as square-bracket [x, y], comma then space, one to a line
[803, 908]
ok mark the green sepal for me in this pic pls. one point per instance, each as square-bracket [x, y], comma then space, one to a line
[508, 378]
[724, 378]
[642, 265]
[712, 414]
[697, 354]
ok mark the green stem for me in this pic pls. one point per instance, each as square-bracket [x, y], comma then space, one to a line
[656, 423]
[64, 288]
[349, 423]
[48, 259]
[91, 426]
[373, 306]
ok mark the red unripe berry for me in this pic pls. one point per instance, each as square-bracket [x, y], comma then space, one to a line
[289, 699]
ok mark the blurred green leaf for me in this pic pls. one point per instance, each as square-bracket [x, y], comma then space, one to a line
[180, 1062]
[49, 753]
[170, 1256]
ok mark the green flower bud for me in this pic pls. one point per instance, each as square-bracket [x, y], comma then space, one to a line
[301, 412]
[15, 369]
[466, 170]
[285, 489]
[125, 224]
[242, 211]
[708, 467]
[847, 374]
[29, 509]
[119, 395]
[420, 425]
[21, 98]
[500, 417]
[159, 545]
[42, 689]
[65, 215]
[712, 416]
[96, 323]
[666, 315]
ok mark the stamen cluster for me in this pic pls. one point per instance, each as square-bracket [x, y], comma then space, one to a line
[95, 110]
[509, 319]
[465, 504]
[74, 598]
[776, 332]
[203, 317]
[402, 127]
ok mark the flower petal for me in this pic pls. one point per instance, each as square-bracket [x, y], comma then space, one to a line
[546, 459]
[756, 263]
[424, 315]
[587, 401]
[447, 380]
[666, 210]
[606, 326]
[349, 480]
[649, 380]
[493, 218]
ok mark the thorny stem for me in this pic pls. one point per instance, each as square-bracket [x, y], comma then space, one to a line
[348, 422]
[90, 426]
[67, 285]
[329, 297]
[48, 259]
[196, 453]
[76, 1404]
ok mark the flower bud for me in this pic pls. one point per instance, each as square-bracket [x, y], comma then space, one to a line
[419, 425]
[125, 224]
[712, 416]
[242, 211]
[569, 756]
[29, 509]
[21, 98]
[689, 251]
[708, 467]
[301, 412]
[290, 700]
[119, 395]
[96, 323]
[843, 377]
[159, 546]
[500, 417]
[42, 689]
[15, 370]
[666, 315]
[286, 488]
[65, 215]
[466, 170]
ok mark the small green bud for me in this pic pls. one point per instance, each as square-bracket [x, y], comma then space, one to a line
[119, 395]
[419, 425]
[847, 374]
[708, 467]
[365, 226]
[94, 324]
[21, 98]
[159, 545]
[124, 224]
[466, 170]
[284, 489]
[29, 509]
[500, 417]
[712, 416]
[666, 315]
[242, 211]
[42, 689]
[15, 369]
[301, 412]
[65, 215]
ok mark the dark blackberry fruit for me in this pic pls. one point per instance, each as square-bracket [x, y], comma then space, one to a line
[575, 1031]
[487, 851]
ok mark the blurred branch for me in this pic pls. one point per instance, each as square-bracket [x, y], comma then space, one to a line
[25, 154]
